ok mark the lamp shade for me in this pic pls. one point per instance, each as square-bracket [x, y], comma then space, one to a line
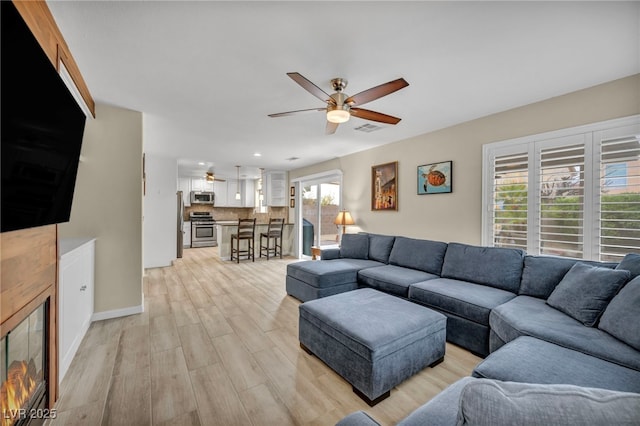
[344, 218]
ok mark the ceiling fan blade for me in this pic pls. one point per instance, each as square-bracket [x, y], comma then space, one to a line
[283, 114]
[219, 180]
[374, 116]
[311, 88]
[376, 92]
[331, 128]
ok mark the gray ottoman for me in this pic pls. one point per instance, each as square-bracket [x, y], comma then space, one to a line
[313, 279]
[373, 340]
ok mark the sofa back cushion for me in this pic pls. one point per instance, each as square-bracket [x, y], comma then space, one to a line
[423, 255]
[542, 274]
[586, 290]
[631, 263]
[355, 246]
[495, 403]
[493, 266]
[380, 247]
[621, 318]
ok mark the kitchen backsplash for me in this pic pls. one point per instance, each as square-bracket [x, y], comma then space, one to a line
[233, 213]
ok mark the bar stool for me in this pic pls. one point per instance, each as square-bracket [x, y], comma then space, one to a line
[246, 231]
[273, 232]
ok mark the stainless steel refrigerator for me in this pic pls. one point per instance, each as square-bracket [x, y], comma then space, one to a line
[180, 223]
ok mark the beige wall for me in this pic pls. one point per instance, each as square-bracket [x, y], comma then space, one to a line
[457, 216]
[107, 205]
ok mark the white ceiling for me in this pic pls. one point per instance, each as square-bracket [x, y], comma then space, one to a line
[207, 73]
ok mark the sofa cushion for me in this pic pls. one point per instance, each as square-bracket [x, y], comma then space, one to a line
[380, 247]
[541, 274]
[530, 316]
[621, 318]
[464, 299]
[586, 290]
[631, 263]
[494, 403]
[393, 279]
[355, 246]
[493, 266]
[423, 255]
[531, 360]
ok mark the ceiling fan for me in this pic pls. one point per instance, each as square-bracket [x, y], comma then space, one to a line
[340, 106]
[212, 177]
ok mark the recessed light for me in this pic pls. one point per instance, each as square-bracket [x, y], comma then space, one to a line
[257, 154]
[201, 164]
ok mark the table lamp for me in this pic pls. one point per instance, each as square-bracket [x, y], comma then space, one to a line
[344, 218]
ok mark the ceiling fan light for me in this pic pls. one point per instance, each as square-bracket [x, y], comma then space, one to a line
[338, 116]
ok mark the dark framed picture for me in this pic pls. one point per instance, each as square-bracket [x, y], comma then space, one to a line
[292, 203]
[435, 178]
[292, 191]
[384, 186]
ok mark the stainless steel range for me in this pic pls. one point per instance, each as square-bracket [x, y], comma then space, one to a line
[203, 230]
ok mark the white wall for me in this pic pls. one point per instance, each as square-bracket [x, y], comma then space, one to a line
[457, 216]
[107, 205]
[160, 211]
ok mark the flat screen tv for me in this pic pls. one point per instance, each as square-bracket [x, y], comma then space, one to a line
[41, 129]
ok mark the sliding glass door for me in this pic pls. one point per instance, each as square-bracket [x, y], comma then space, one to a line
[319, 203]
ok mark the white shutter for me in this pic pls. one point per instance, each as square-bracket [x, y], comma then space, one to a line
[561, 200]
[509, 210]
[619, 197]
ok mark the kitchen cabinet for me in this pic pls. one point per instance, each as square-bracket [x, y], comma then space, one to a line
[184, 185]
[276, 191]
[233, 187]
[75, 297]
[248, 193]
[201, 184]
[220, 191]
[186, 232]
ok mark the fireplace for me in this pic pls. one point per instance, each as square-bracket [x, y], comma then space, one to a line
[23, 371]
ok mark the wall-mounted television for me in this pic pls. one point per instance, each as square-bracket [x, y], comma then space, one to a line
[41, 129]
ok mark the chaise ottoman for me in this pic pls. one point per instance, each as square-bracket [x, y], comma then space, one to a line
[373, 340]
[313, 279]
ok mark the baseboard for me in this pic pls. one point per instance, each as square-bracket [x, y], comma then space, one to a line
[117, 313]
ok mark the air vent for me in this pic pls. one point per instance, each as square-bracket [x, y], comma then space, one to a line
[368, 128]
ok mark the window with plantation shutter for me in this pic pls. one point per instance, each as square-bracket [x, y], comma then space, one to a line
[572, 193]
[619, 184]
[510, 201]
[561, 201]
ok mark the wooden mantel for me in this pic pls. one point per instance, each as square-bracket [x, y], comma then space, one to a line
[29, 258]
[28, 277]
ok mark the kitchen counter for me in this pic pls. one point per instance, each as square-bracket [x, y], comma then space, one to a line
[228, 227]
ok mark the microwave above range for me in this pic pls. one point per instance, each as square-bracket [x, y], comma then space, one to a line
[202, 197]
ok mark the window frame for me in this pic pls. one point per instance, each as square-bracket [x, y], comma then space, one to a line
[590, 136]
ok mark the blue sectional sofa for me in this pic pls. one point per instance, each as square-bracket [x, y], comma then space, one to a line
[537, 319]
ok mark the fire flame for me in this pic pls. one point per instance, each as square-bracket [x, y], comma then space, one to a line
[17, 389]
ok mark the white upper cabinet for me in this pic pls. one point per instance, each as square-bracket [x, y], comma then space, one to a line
[276, 188]
[220, 191]
[184, 185]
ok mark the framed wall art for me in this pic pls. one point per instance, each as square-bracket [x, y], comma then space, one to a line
[384, 186]
[435, 178]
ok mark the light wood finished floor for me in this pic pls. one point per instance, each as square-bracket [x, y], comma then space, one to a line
[218, 345]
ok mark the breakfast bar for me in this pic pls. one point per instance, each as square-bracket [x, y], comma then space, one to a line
[227, 227]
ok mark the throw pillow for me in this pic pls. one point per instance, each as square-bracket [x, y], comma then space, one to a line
[621, 318]
[354, 246]
[586, 290]
[631, 263]
[495, 403]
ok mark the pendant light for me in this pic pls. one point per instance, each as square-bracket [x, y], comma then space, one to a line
[238, 175]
